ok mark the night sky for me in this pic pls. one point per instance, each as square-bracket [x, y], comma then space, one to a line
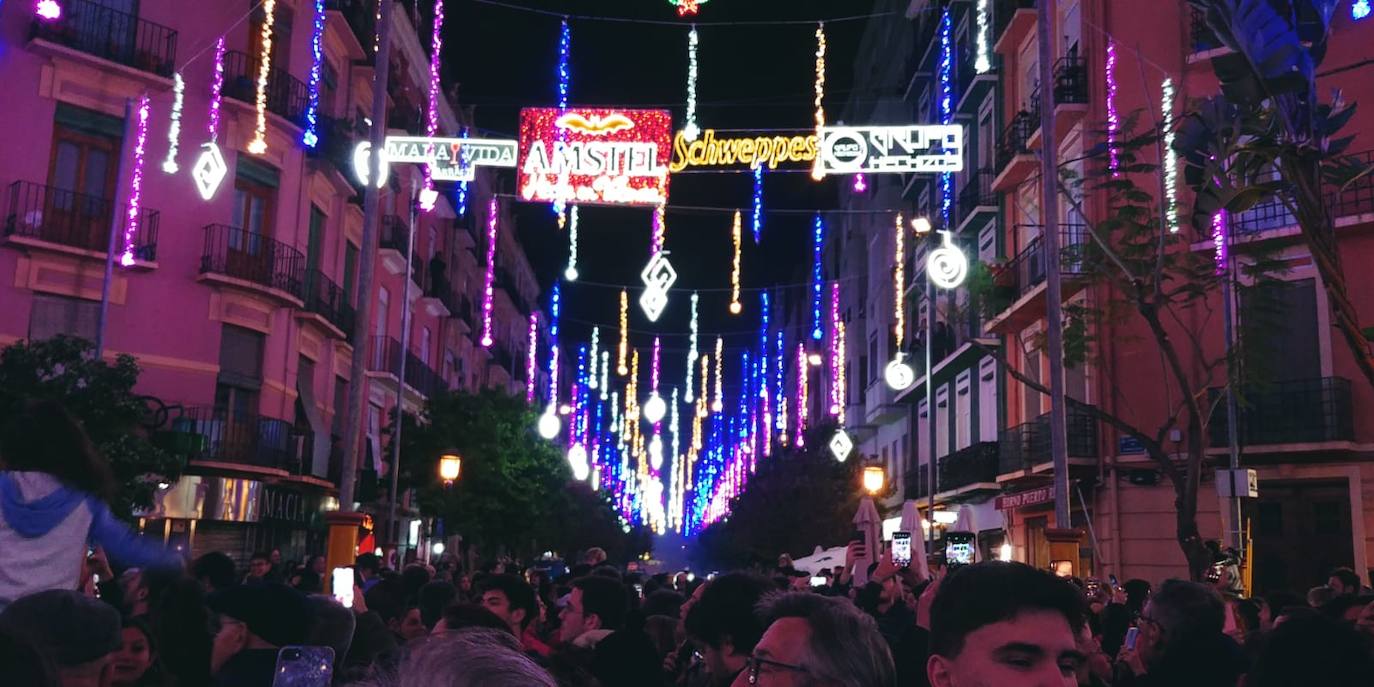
[750, 78]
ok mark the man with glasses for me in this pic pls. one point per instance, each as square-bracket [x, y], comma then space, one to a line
[723, 626]
[999, 623]
[819, 641]
[1181, 641]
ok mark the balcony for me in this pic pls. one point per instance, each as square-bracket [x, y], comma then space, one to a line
[385, 357]
[1346, 203]
[40, 216]
[338, 138]
[394, 240]
[325, 298]
[241, 257]
[1014, 159]
[1019, 281]
[436, 291]
[1011, 21]
[917, 483]
[977, 201]
[287, 96]
[1302, 411]
[1026, 446]
[971, 87]
[112, 35]
[502, 357]
[968, 469]
[361, 17]
[214, 435]
[507, 282]
[1201, 37]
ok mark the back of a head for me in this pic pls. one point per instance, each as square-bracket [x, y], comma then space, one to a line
[662, 601]
[469, 658]
[606, 598]
[22, 664]
[331, 625]
[1320, 595]
[76, 632]
[387, 599]
[1312, 650]
[1189, 612]
[463, 616]
[414, 576]
[434, 598]
[216, 568]
[44, 437]
[519, 594]
[978, 595]
[844, 647]
[726, 611]
[368, 563]
[1348, 578]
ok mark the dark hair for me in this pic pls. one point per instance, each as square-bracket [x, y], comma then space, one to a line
[464, 615]
[1188, 612]
[580, 570]
[387, 598]
[260, 556]
[985, 593]
[23, 664]
[217, 568]
[519, 595]
[662, 601]
[604, 597]
[153, 676]
[1347, 577]
[844, 646]
[368, 562]
[608, 572]
[1137, 593]
[1248, 614]
[1337, 607]
[414, 576]
[44, 437]
[434, 598]
[1312, 650]
[1281, 600]
[726, 611]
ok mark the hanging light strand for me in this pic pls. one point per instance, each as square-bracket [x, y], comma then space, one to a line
[758, 203]
[136, 181]
[816, 171]
[817, 243]
[624, 349]
[1113, 118]
[660, 230]
[982, 63]
[570, 273]
[555, 309]
[692, 353]
[899, 284]
[311, 136]
[946, 77]
[217, 90]
[560, 205]
[489, 279]
[258, 145]
[435, 92]
[691, 130]
[841, 377]
[735, 306]
[718, 404]
[169, 165]
[532, 357]
[1170, 157]
[836, 362]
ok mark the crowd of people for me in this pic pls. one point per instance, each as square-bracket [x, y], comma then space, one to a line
[138, 617]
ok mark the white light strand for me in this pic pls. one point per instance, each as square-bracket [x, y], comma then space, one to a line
[258, 146]
[571, 272]
[624, 349]
[691, 130]
[594, 356]
[718, 404]
[816, 171]
[605, 374]
[735, 306]
[174, 129]
[983, 63]
[1170, 157]
[692, 353]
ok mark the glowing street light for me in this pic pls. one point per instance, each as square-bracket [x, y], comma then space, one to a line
[874, 479]
[450, 466]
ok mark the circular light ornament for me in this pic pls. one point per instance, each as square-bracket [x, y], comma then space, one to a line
[549, 424]
[898, 375]
[814, 359]
[947, 265]
[655, 408]
[717, 406]
[438, 548]
[570, 273]
[362, 155]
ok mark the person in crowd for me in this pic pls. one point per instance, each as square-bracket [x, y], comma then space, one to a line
[1344, 582]
[473, 657]
[331, 625]
[214, 571]
[136, 663]
[1364, 622]
[1095, 670]
[594, 557]
[434, 598]
[722, 623]
[414, 577]
[259, 568]
[594, 634]
[368, 569]
[1000, 623]
[311, 576]
[1313, 650]
[1181, 641]
[278, 571]
[78, 634]
[254, 621]
[664, 601]
[461, 616]
[1346, 608]
[1320, 595]
[54, 495]
[816, 640]
[23, 665]
[514, 602]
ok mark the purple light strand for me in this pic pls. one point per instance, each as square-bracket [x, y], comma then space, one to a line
[432, 115]
[217, 90]
[490, 277]
[1219, 241]
[1113, 119]
[136, 182]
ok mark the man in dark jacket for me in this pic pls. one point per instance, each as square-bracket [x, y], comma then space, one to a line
[594, 635]
[254, 621]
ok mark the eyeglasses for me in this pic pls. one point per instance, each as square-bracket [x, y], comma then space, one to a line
[754, 664]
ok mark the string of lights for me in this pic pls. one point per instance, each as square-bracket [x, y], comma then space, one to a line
[735, 306]
[258, 145]
[169, 165]
[311, 137]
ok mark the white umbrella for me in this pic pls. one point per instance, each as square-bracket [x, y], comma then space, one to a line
[911, 522]
[820, 559]
[867, 521]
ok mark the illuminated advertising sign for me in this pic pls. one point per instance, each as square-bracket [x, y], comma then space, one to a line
[711, 149]
[595, 155]
[892, 149]
[451, 159]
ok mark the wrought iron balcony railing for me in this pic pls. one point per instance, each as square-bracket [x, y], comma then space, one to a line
[254, 258]
[113, 35]
[75, 220]
[972, 465]
[1301, 411]
[286, 95]
[1027, 445]
[1070, 80]
[216, 434]
[1027, 270]
[1015, 139]
[325, 298]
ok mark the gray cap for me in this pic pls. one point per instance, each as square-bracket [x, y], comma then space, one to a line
[69, 626]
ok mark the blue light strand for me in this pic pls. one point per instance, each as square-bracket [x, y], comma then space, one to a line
[780, 385]
[817, 240]
[560, 206]
[462, 189]
[1359, 9]
[554, 308]
[946, 109]
[311, 137]
[758, 203]
[760, 389]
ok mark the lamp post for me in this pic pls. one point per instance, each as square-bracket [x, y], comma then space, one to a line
[875, 479]
[450, 467]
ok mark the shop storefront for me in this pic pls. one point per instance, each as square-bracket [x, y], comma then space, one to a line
[238, 517]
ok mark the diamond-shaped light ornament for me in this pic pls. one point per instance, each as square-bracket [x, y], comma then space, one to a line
[209, 170]
[658, 276]
[841, 445]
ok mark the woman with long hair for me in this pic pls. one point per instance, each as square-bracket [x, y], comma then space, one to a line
[54, 503]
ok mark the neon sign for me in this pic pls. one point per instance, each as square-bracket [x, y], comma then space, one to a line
[749, 151]
[451, 159]
[594, 155]
[892, 149]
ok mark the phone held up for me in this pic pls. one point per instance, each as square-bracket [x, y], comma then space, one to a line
[901, 549]
[1131, 635]
[342, 586]
[304, 666]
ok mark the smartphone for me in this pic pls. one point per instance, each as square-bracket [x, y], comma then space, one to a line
[342, 586]
[1115, 585]
[1131, 635]
[304, 666]
[959, 549]
[818, 582]
[901, 549]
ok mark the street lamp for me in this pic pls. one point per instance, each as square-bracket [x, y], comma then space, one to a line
[450, 466]
[874, 479]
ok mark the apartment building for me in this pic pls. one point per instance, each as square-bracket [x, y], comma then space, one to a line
[241, 309]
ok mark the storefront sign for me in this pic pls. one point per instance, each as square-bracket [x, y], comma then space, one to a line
[1034, 497]
[451, 159]
[713, 150]
[594, 155]
[280, 504]
[892, 149]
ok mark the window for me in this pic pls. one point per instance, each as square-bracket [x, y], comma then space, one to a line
[350, 273]
[281, 38]
[254, 208]
[426, 343]
[316, 241]
[240, 373]
[922, 434]
[873, 355]
[987, 399]
[942, 421]
[374, 437]
[963, 412]
[53, 315]
[82, 174]
[986, 136]
[329, 85]
[1030, 400]
[340, 405]
[383, 311]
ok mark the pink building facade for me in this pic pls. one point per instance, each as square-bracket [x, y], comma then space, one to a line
[240, 309]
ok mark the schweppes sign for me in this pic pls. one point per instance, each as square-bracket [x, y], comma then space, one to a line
[710, 150]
